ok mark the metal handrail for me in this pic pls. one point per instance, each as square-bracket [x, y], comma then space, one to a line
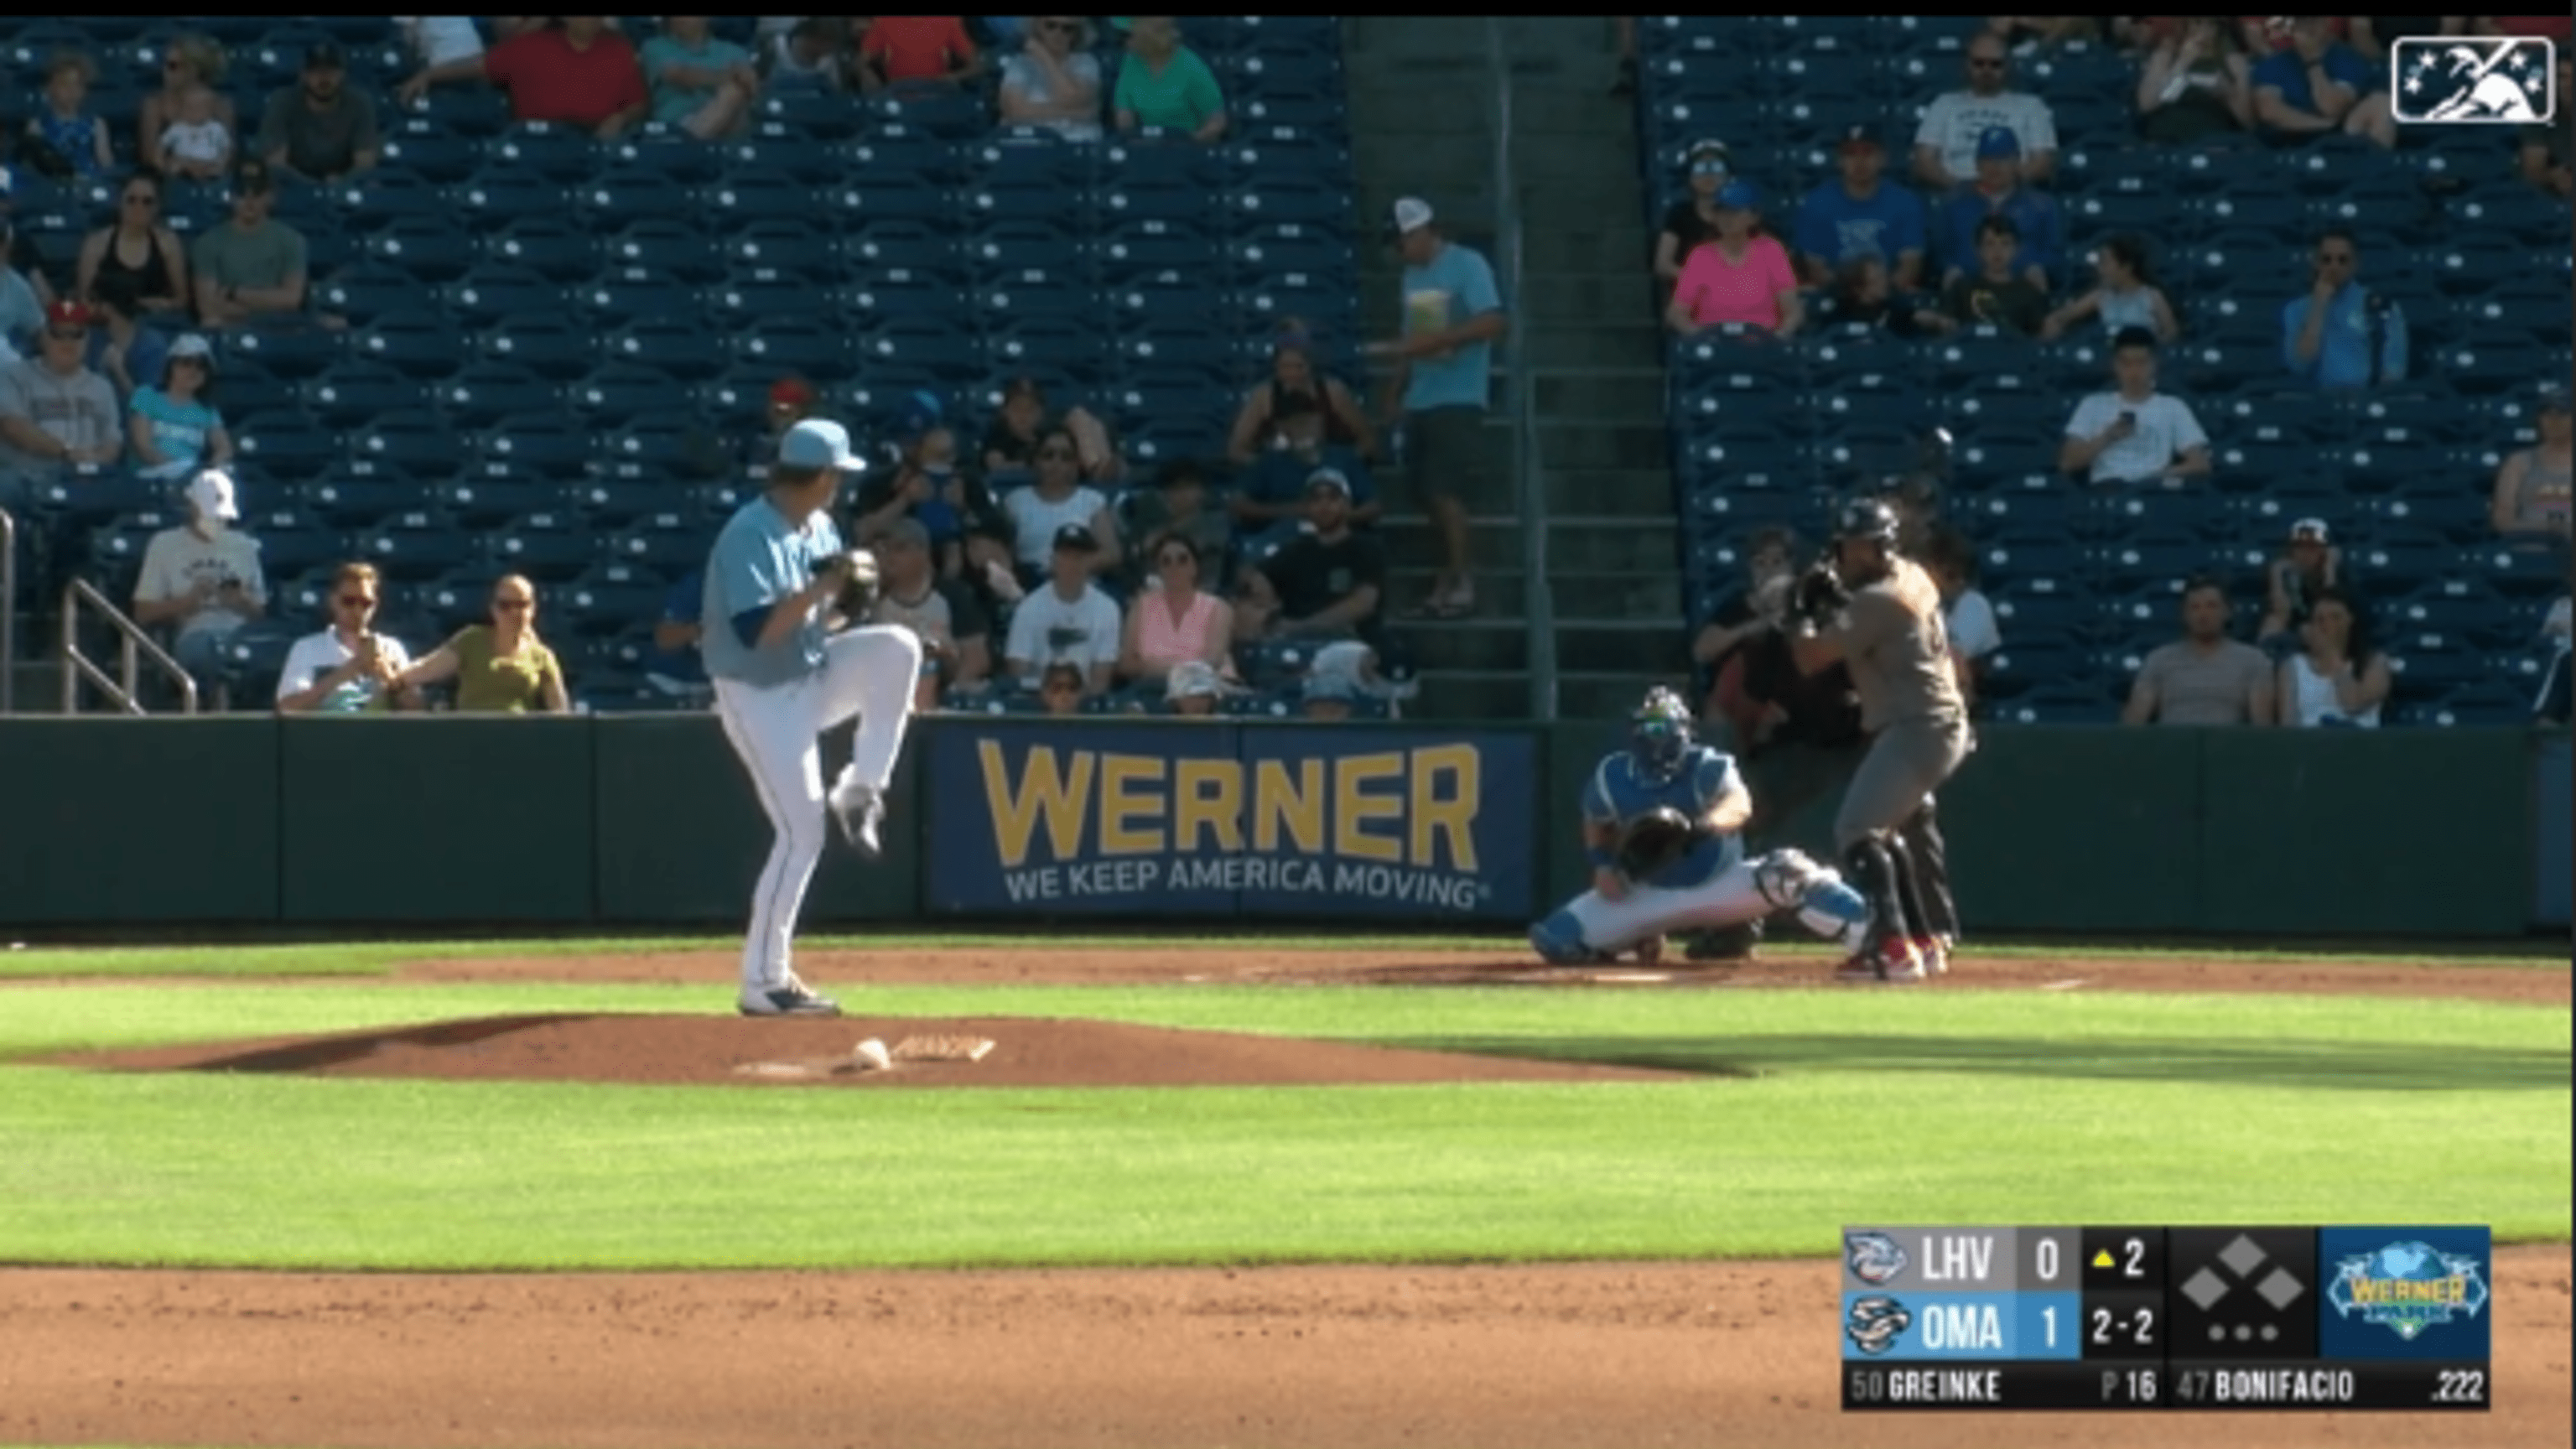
[1539, 607]
[134, 649]
[8, 611]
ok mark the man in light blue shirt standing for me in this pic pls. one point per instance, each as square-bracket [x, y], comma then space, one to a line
[2341, 335]
[787, 667]
[1443, 383]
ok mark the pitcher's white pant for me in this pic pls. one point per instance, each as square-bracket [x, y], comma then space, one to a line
[1593, 927]
[868, 672]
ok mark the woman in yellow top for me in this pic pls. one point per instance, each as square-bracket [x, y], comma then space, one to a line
[500, 667]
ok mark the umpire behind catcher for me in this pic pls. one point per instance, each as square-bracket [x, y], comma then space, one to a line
[1880, 615]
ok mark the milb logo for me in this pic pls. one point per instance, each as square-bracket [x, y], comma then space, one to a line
[2492, 80]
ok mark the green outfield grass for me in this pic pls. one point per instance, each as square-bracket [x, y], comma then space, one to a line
[1956, 1105]
[378, 958]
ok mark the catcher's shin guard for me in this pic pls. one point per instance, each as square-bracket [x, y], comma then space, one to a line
[1559, 941]
[1908, 894]
[1921, 833]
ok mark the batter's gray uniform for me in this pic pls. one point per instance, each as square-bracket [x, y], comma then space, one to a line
[1898, 649]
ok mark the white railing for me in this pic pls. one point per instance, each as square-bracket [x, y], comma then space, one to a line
[1529, 481]
[134, 649]
[8, 612]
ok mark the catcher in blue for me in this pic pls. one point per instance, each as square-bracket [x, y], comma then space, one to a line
[1661, 821]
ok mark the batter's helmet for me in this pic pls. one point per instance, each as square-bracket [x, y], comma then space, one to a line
[1866, 518]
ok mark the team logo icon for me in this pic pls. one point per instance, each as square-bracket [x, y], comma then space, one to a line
[1875, 1258]
[2471, 80]
[1875, 1323]
[2408, 1287]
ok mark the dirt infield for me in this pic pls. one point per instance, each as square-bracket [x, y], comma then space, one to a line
[1045, 965]
[1619, 1356]
[730, 1051]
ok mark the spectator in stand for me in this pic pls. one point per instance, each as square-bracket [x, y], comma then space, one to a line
[1176, 507]
[2034, 32]
[23, 260]
[188, 63]
[251, 269]
[130, 270]
[174, 426]
[1970, 618]
[1327, 700]
[196, 144]
[1955, 125]
[501, 667]
[700, 84]
[22, 301]
[791, 401]
[2317, 85]
[204, 579]
[2204, 678]
[2196, 82]
[1070, 621]
[1298, 421]
[1741, 277]
[322, 128]
[1693, 219]
[2337, 677]
[1060, 689]
[2304, 572]
[919, 48]
[1011, 443]
[55, 411]
[1174, 621]
[348, 668]
[2000, 294]
[2134, 434]
[925, 486]
[578, 71]
[1053, 82]
[1326, 583]
[2124, 295]
[675, 667]
[2531, 495]
[2549, 147]
[1165, 85]
[814, 54]
[1747, 616]
[2556, 28]
[956, 637]
[1057, 500]
[1864, 296]
[1443, 384]
[440, 39]
[1193, 689]
[2342, 334]
[64, 137]
[1861, 215]
[1998, 191]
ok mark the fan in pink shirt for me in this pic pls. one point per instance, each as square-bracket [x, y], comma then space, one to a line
[1739, 276]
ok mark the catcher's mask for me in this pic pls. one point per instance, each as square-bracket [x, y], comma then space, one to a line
[1659, 734]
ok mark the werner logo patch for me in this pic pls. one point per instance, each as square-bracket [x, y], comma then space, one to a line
[2495, 80]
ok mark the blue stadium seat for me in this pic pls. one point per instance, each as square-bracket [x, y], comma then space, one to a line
[497, 195]
[1153, 249]
[630, 193]
[656, 450]
[616, 502]
[801, 159]
[387, 192]
[1131, 165]
[2014, 557]
[286, 551]
[1074, 348]
[754, 296]
[550, 445]
[784, 248]
[249, 387]
[672, 153]
[555, 246]
[414, 547]
[1016, 155]
[2149, 556]
[561, 154]
[351, 393]
[620, 293]
[818, 348]
[2512, 209]
[1005, 247]
[1972, 415]
[1305, 199]
[2467, 264]
[899, 295]
[680, 348]
[552, 548]
[617, 393]
[353, 502]
[670, 543]
[406, 446]
[663, 250]
[816, 114]
[2045, 615]
[419, 344]
[480, 502]
[2429, 414]
[866, 203]
[482, 393]
[1153, 334]
[2379, 459]
[2038, 502]
[492, 291]
[1276, 248]
[903, 245]
[2164, 514]
[285, 352]
[291, 447]
[420, 145]
[2496, 361]
[2523, 569]
[744, 193]
[550, 344]
[2466, 607]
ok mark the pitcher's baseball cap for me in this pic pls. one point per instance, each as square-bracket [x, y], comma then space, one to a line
[1998, 143]
[1412, 213]
[815, 443]
[211, 494]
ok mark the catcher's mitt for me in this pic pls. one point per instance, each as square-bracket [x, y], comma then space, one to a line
[858, 592]
[1653, 841]
[1820, 594]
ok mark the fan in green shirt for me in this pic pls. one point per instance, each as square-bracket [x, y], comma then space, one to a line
[500, 667]
[1165, 84]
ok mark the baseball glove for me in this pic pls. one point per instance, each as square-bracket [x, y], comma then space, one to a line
[1820, 594]
[858, 585]
[1653, 841]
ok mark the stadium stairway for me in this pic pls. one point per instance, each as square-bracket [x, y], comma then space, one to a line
[1422, 110]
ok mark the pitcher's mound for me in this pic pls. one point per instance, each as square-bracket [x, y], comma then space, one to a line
[711, 1050]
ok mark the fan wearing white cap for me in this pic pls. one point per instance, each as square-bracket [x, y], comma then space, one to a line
[204, 579]
[2310, 565]
[1453, 316]
[172, 421]
[787, 667]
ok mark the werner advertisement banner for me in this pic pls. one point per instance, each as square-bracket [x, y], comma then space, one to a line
[1191, 819]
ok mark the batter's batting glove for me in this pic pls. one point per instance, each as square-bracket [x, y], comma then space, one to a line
[1820, 594]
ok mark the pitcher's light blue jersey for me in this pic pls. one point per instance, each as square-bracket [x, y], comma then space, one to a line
[1617, 794]
[759, 559]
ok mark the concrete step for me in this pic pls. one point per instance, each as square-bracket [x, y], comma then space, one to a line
[1613, 239]
[1584, 443]
[1650, 647]
[1625, 295]
[1608, 694]
[1601, 394]
[1472, 697]
[1646, 493]
[1502, 587]
[1646, 548]
[1584, 596]
[1608, 342]
[1496, 543]
[1481, 643]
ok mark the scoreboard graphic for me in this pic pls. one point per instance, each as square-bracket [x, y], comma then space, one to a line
[2231, 1318]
